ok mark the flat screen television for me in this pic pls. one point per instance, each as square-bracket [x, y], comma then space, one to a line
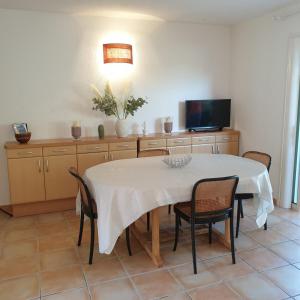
[207, 115]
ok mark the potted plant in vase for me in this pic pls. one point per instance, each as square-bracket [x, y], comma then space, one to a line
[121, 109]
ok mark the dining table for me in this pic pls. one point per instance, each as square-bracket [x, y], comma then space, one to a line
[125, 190]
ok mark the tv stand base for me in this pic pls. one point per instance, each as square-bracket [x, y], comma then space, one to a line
[205, 129]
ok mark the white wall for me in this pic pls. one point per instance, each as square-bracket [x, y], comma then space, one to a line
[260, 56]
[48, 61]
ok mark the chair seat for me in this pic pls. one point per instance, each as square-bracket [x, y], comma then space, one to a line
[185, 208]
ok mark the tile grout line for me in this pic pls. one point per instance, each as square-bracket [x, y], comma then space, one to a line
[130, 279]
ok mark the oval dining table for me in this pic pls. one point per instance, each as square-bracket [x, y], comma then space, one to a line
[124, 190]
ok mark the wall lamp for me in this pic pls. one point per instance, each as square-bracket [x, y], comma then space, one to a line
[117, 53]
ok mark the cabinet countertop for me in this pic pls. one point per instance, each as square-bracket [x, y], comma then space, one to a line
[111, 139]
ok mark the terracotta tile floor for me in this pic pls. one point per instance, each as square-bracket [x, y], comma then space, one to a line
[39, 259]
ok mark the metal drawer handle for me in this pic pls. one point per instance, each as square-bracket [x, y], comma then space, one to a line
[152, 143]
[60, 150]
[178, 141]
[226, 138]
[25, 153]
[47, 165]
[40, 166]
[204, 139]
[123, 146]
[94, 148]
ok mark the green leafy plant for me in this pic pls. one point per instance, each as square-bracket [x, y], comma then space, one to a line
[111, 106]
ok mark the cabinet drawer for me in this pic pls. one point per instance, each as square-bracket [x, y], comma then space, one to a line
[28, 152]
[153, 144]
[122, 146]
[51, 151]
[227, 138]
[178, 142]
[196, 140]
[92, 148]
[180, 149]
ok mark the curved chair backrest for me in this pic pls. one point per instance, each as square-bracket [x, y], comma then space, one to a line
[87, 201]
[214, 195]
[153, 152]
[261, 157]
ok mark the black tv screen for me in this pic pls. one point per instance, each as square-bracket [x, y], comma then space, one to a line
[207, 114]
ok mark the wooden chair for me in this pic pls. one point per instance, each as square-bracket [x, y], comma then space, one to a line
[89, 208]
[212, 201]
[148, 153]
[263, 158]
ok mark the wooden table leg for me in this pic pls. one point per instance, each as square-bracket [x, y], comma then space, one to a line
[224, 238]
[153, 248]
[155, 238]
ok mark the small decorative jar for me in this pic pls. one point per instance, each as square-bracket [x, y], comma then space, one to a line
[23, 138]
[101, 131]
[76, 130]
[168, 125]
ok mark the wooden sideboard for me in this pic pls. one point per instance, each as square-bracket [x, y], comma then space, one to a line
[38, 171]
[220, 142]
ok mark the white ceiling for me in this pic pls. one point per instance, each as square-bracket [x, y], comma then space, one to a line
[198, 11]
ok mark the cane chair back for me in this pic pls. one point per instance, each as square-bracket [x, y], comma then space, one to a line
[261, 157]
[153, 152]
[87, 201]
[214, 195]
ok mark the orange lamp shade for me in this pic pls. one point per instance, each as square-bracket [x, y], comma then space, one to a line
[117, 53]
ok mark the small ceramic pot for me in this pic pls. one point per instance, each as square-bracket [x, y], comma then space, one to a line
[76, 132]
[101, 131]
[168, 126]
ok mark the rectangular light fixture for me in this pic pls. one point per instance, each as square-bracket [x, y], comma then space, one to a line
[117, 53]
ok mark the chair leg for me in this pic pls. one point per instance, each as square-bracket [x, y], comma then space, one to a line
[177, 219]
[242, 209]
[238, 218]
[193, 246]
[266, 225]
[80, 227]
[92, 241]
[128, 241]
[148, 221]
[169, 209]
[210, 232]
[232, 239]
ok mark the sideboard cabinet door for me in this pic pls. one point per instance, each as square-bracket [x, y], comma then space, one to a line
[203, 148]
[58, 182]
[115, 155]
[26, 180]
[88, 160]
[228, 148]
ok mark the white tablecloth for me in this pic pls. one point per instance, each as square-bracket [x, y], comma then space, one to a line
[124, 190]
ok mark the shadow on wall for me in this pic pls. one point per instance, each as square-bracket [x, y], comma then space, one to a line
[6, 134]
[159, 125]
[181, 115]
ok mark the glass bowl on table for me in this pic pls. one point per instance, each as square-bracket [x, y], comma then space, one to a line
[177, 160]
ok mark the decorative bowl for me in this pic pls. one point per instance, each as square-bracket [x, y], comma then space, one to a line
[177, 161]
[23, 138]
